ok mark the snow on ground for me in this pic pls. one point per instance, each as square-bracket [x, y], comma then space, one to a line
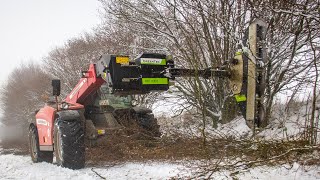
[182, 125]
[237, 128]
[167, 105]
[292, 172]
[283, 126]
[21, 167]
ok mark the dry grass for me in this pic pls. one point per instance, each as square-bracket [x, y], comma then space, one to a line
[118, 149]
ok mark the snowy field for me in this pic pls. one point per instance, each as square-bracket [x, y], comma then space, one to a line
[285, 172]
[21, 167]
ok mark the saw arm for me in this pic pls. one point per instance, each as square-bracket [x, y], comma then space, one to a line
[153, 71]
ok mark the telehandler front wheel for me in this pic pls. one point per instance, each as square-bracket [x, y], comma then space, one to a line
[69, 145]
[36, 154]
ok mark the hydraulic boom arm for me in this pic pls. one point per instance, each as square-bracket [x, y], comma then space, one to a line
[152, 72]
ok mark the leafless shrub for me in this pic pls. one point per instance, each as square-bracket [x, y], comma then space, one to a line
[202, 34]
[21, 96]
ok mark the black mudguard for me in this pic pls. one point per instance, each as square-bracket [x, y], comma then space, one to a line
[69, 115]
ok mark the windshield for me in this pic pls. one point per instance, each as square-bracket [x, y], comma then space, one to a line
[116, 101]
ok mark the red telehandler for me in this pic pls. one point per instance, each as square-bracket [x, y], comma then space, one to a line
[60, 128]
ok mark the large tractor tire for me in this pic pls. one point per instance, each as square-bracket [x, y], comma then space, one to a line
[69, 144]
[36, 154]
[150, 124]
[140, 118]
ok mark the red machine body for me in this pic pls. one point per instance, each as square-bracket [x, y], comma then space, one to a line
[44, 122]
[46, 115]
[86, 86]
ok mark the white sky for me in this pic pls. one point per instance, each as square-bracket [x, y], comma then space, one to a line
[29, 29]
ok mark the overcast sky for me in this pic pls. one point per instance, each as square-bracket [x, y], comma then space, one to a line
[29, 29]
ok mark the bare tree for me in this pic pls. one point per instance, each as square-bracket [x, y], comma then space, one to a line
[291, 34]
[199, 34]
[21, 96]
[67, 62]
